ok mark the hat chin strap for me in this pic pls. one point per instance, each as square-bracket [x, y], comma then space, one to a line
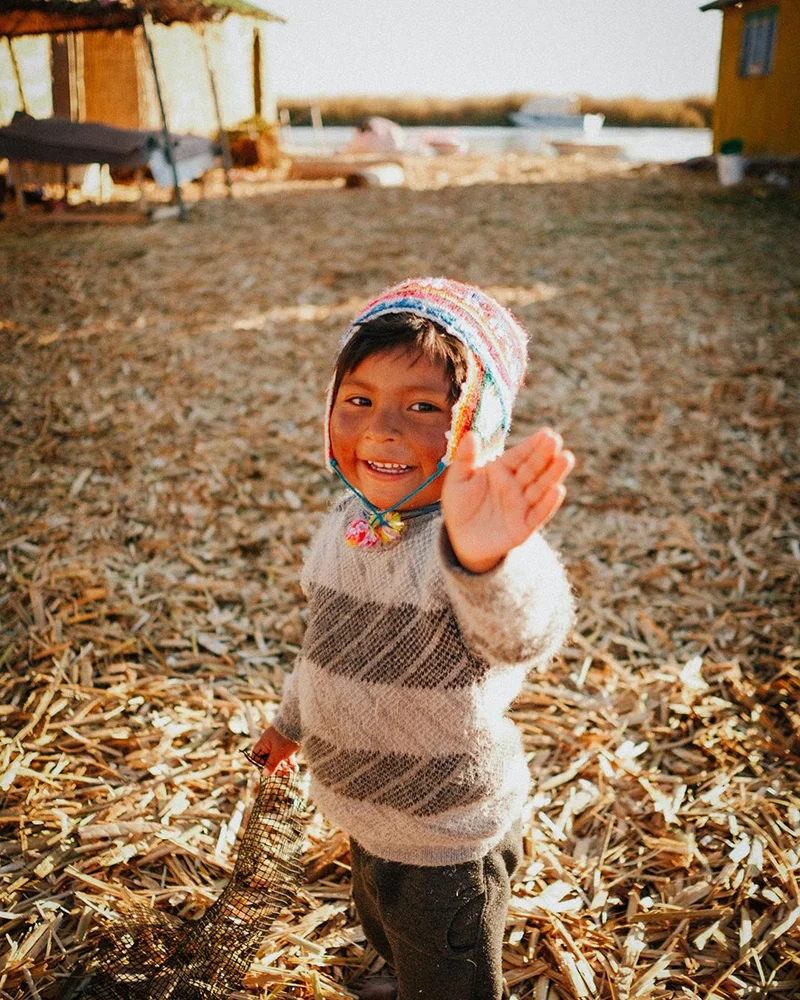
[379, 515]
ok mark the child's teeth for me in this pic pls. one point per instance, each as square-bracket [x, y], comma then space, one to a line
[388, 466]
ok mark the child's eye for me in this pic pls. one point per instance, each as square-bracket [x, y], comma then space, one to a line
[425, 407]
[359, 401]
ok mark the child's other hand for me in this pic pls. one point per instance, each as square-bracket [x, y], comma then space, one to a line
[272, 748]
[492, 509]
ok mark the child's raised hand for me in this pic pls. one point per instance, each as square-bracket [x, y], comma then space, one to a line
[491, 509]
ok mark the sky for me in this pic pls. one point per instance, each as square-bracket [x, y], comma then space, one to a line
[602, 48]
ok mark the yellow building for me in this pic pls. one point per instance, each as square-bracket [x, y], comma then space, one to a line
[758, 94]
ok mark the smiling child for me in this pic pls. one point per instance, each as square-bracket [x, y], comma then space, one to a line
[431, 595]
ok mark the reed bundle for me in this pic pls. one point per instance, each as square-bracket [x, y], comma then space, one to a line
[161, 408]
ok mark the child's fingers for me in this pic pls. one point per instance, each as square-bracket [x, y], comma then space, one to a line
[547, 449]
[558, 470]
[543, 439]
[272, 759]
[465, 458]
[261, 750]
[281, 759]
[541, 513]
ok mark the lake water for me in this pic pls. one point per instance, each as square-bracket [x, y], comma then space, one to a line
[657, 145]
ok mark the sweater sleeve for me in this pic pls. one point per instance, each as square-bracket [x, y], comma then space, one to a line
[519, 612]
[287, 718]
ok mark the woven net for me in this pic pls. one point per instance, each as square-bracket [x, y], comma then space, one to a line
[150, 955]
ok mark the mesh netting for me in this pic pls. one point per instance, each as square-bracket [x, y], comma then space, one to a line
[149, 955]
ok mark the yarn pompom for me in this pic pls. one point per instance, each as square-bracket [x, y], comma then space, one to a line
[359, 535]
[370, 530]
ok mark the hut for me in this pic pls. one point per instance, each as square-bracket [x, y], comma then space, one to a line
[758, 93]
[94, 55]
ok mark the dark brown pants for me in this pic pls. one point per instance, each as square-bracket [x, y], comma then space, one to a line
[440, 929]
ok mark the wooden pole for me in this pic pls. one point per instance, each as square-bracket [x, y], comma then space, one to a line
[147, 23]
[316, 123]
[258, 102]
[15, 169]
[17, 74]
[227, 162]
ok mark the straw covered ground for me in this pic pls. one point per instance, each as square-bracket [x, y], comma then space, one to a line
[162, 397]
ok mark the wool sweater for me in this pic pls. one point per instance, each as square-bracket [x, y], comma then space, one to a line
[399, 695]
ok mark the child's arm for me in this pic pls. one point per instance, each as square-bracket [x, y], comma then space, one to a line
[508, 588]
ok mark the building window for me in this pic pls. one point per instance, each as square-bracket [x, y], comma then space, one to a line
[758, 42]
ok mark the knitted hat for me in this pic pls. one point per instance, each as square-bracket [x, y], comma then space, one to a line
[496, 355]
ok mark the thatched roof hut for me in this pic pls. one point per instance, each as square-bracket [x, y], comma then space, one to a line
[45, 17]
[94, 56]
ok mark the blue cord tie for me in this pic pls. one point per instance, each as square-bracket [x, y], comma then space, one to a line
[379, 514]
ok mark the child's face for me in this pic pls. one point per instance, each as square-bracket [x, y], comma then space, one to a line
[388, 426]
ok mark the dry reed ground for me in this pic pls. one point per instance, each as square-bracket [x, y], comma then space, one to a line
[161, 406]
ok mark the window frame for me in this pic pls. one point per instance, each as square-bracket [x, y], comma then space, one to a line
[757, 52]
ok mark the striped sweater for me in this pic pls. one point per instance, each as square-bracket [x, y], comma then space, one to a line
[399, 695]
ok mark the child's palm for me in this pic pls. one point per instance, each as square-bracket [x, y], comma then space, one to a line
[492, 509]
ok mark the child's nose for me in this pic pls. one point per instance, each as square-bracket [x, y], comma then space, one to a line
[383, 425]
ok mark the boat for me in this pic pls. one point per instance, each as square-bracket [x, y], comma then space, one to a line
[556, 113]
[382, 135]
[377, 135]
[443, 142]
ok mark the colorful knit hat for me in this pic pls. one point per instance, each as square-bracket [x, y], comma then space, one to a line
[496, 355]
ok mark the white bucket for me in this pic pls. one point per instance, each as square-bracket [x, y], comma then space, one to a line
[730, 169]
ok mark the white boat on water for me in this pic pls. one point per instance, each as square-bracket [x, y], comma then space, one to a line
[549, 114]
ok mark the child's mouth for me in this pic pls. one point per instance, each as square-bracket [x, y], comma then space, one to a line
[388, 468]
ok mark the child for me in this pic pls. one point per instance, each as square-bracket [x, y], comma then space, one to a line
[430, 597]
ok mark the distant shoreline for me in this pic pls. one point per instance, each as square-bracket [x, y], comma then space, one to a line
[635, 112]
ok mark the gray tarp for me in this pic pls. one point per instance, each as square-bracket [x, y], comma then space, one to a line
[57, 140]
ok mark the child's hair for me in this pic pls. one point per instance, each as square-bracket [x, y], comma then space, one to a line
[404, 330]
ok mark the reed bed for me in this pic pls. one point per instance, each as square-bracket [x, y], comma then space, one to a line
[162, 393]
[633, 111]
